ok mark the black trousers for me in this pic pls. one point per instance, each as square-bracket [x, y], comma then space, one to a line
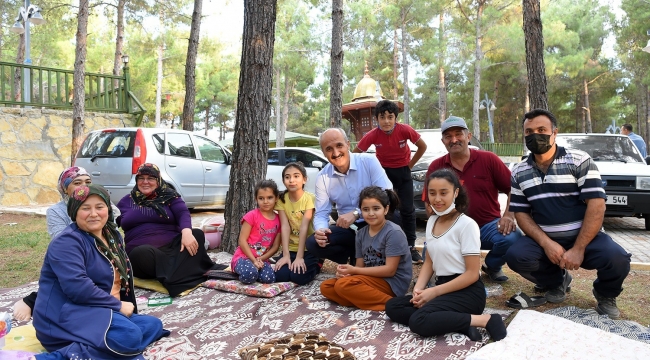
[177, 271]
[341, 245]
[403, 186]
[611, 261]
[447, 313]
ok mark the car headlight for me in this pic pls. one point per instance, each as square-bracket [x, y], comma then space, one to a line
[642, 183]
[419, 175]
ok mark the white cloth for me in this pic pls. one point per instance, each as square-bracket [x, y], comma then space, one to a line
[536, 336]
[463, 238]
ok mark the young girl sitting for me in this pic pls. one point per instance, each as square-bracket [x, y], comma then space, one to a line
[383, 269]
[457, 301]
[296, 208]
[259, 237]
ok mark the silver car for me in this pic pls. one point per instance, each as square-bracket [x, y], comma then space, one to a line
[197, 167]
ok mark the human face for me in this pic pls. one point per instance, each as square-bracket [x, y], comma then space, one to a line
[92, 215]
[293, 179]
[386, 121]
[624, 131]
[441, 194]
[266, 199]
[336, 149]
[146, 184]
[80, 180]
[374, 213]
[456, 141]
[541, 125]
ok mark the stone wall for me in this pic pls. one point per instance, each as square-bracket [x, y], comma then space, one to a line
[35, 147]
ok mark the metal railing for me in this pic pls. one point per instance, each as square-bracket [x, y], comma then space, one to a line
[504, 149]
[53, 89]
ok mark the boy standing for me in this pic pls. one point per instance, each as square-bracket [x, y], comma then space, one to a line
[390, 140]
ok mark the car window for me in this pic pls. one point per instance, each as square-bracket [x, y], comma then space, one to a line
[603, 148]
[110, 143]
[304, 157]
[159, 142]
[180, 145]
[273, 157]
[209, 150]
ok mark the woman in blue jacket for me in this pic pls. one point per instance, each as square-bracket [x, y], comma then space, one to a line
[86, 304]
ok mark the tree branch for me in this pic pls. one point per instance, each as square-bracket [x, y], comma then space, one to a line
[460, 6]
[596, 78]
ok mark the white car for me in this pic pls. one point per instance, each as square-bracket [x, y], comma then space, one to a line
[312, 159]
[625, 174]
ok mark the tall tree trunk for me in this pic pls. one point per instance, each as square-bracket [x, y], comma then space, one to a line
[207, 119]
[79, 98]
[190, 68]
[586, 104]
[336, 67]
[288, 89]
[478, 57]
[647, 118]
[395, 63]
[405, 66]
[251, 140]
[18, 74]
[535, 54]
[495, 99]
[159, 80]
[442, 83]
[119, 38]
[278, 118]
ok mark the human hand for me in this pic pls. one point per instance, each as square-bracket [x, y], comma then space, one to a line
[22, 312]
[322, 236]
[298, 266]
[345, 269]
[422, 297]
[284, 260]
[345, 220]
[259, 263]
[572, 259]
[188, 241]
[127, 308]
[554, 251]
[506, 225]
[428, 208]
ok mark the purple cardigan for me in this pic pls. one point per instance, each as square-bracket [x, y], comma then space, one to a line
[144, 226]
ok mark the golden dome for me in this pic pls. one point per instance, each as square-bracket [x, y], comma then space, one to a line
[367, 87]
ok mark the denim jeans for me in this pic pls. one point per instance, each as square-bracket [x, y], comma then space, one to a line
[497, 243]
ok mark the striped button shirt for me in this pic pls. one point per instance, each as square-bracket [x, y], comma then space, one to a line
[556, 200]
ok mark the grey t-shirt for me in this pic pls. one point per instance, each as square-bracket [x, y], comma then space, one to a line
[389, 241]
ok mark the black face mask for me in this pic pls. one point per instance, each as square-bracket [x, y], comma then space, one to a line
[538, 143]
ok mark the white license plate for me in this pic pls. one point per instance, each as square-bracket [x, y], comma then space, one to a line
[616, 200]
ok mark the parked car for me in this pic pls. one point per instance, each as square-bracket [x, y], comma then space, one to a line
[625, 174]
[313, 159]
[197, 167]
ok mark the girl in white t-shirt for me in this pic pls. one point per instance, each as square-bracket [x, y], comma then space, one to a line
[457, 301]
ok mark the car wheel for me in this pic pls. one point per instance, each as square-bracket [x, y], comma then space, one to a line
[647, 221]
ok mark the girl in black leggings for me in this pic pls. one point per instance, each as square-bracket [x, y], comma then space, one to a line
[453, 245]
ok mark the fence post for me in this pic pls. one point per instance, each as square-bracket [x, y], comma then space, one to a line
[127, 87]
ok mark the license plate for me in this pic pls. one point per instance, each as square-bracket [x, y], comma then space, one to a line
[616, 200]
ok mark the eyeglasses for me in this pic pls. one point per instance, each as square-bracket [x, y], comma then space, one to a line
[146, 179]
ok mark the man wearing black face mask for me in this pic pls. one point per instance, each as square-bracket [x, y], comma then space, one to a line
[559, 202]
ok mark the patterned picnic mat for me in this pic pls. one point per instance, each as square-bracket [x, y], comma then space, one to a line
[210, 324]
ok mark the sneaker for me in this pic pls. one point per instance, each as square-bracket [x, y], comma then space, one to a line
[606, 306]
[558, 294]
[495, 275]
[415, 256]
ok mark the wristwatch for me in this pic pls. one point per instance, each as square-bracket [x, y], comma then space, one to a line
[356, 213]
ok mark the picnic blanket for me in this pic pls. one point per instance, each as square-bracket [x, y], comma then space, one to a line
[537, 336]
[210, 324]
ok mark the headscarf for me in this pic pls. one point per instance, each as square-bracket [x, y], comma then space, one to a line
[162, 195]
[67, 177]
[113, 249]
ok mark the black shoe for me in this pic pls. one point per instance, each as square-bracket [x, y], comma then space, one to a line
[495, 275]
[558, 294]
[416, 258]
[606, 306]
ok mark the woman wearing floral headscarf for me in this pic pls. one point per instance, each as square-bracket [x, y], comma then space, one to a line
[158, 233]
[57, 220]
[87, 275]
